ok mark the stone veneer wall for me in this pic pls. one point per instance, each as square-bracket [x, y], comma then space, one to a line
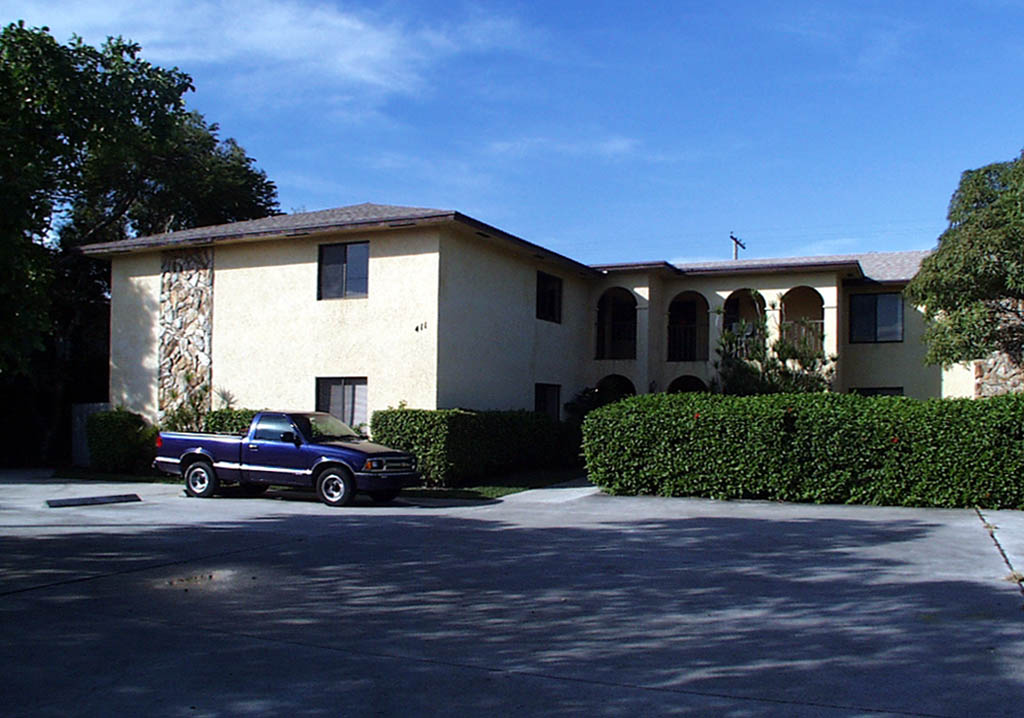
[186, 327]
[998, 374]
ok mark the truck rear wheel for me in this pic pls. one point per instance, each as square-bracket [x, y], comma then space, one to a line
[200, 481]
[335, 487]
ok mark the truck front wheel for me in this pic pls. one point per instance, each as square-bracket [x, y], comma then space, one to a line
[200, 481]
[335, 487]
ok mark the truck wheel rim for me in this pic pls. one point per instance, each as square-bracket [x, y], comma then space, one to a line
[333, 488]
[198, 481]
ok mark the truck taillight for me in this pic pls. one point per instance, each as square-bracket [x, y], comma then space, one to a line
[159, 441]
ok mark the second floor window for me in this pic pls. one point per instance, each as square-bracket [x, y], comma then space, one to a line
[876, 318]
[344, 270]
[549, 297]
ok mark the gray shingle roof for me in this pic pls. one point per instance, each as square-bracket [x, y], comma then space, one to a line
[877, 266]
[366, 214]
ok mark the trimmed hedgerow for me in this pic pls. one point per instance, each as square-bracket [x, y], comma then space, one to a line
[822, 448]
[453, 445]
[229, 421]
[120, 442]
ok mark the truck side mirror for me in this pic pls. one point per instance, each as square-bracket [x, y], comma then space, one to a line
[290, 437]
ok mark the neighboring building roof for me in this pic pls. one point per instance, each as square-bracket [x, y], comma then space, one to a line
[892, 266]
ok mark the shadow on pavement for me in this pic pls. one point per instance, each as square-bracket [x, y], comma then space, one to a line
[398, 615]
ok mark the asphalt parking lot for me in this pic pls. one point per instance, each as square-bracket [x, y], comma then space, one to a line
[559, 601]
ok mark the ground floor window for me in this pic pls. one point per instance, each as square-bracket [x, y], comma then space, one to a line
[547, 400]
[344, 397]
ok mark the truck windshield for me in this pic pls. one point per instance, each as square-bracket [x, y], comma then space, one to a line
[320, 426]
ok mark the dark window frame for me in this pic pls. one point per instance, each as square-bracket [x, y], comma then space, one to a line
[352, 285]
[873, 314]
[549, 297]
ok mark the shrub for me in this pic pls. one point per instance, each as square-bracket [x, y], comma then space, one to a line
[823, 448]
[229, 421]
[454, 445]
[120, 442]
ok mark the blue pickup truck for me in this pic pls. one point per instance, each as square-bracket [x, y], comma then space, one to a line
[308, 449]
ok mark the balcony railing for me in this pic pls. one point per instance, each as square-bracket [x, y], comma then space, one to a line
[687, 342]
[805, 332]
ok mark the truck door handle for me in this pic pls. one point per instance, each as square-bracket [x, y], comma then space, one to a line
[254, 447]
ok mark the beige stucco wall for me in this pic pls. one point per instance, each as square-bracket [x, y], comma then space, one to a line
[492, 349]
[134, 332]
[272, 337]
[958, 381]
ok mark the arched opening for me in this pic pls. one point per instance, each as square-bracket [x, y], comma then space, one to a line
[614, 387]
[744, 319]
[803, 318]
[686, 383]
[688, 328]
[616, 325]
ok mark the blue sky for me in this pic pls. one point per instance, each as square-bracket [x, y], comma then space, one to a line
[607, 131]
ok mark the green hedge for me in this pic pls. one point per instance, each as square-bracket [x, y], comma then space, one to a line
[453, 446]
[823, 448]
[229, 421]
[120, 442]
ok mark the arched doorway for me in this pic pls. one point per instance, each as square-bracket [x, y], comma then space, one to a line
[744, 313]
[616, 325]
[686, 383]
[614, 387]
[688, 327]
[803, 318]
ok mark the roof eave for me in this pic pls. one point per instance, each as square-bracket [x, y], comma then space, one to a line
[636, 267]
[776, 269]
[167, 241]
[486, 230]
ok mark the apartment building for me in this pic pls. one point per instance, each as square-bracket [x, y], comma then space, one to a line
[360, 308]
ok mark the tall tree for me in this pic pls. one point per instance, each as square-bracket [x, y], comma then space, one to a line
[96, 144]
[64, 106]
[972, 286]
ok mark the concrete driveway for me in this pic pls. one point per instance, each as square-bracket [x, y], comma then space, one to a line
[559, 601]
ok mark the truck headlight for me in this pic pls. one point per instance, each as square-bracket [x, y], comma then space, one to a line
[373, 465]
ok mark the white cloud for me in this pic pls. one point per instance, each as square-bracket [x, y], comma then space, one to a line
[610, 147]
[863, 45]
[311, 42]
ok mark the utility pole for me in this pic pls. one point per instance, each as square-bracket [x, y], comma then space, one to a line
[737, 243]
